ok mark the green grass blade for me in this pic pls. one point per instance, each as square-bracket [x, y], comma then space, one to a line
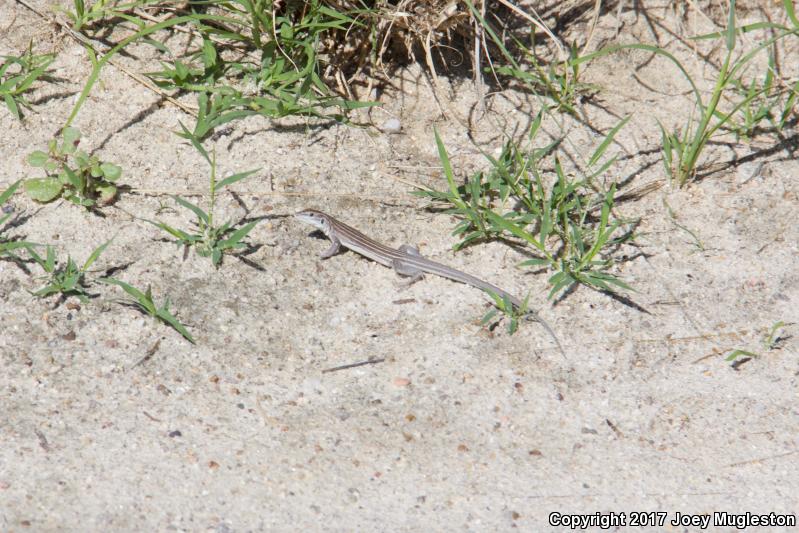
[12, 106]
[144, 300]
[237, 235]
[730, 40]
[95, 254]
[517, 231]
[8, 193]
[49, 263]
[98, 65]
[608, 139]
[789, 9]
[450, 175]
[181, 235]
[167, 317]
[202, 215]
[560, 281]
[230, 180]
[194, 140]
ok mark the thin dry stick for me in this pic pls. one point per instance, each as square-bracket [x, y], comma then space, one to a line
[761, 459]
[592, 26]
[408, 182]
[479, 38]
[369, 361]
[537, 22]
[300, 194]
[442, 103]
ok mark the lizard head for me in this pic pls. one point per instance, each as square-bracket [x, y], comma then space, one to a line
[314, 218]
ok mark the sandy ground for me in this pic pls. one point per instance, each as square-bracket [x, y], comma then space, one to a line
[461, 427]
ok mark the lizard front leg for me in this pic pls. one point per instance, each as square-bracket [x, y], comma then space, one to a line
[335, 247]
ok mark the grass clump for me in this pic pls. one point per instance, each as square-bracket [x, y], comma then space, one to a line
[557, 80]
[143, 301]
[565, 222]
[256, 57]
[71, 173]
[18, 74]
[209, 239]
[504, 305]
[682, 148]
[278, 71]
[66, 279]
[82, 15]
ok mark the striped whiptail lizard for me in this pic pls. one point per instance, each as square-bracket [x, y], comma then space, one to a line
[406, 260]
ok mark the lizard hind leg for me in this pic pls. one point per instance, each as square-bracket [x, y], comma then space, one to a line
[406, 269]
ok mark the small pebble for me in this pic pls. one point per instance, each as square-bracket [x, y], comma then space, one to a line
[392, 125]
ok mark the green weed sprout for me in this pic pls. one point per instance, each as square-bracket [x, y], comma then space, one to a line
[505, 306]
[735, 354]
[770, 341]
[71, 173]
[773, 338]
[144, 302]
[210, 240]
[81, 16]
[67, 279]
[697, 242]
[18, 74]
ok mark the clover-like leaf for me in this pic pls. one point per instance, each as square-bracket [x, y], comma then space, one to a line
[71, 138]
[38, 158]
[107, 193]
[43, 189]
[111, 171]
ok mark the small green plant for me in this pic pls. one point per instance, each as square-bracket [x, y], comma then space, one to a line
[9, 244]
[559, 81]
[558, 220]
[505, 306]
[82, 16]
[144, 302]
[682, 149]
[72, 173]
[760, 102]
[773, 338]
[67, 279]
[770, 341]
[209, 239]
[735, 354]
[767, 100]
[280, 76]
[697, 242]
[273, 68]
[18, 74]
